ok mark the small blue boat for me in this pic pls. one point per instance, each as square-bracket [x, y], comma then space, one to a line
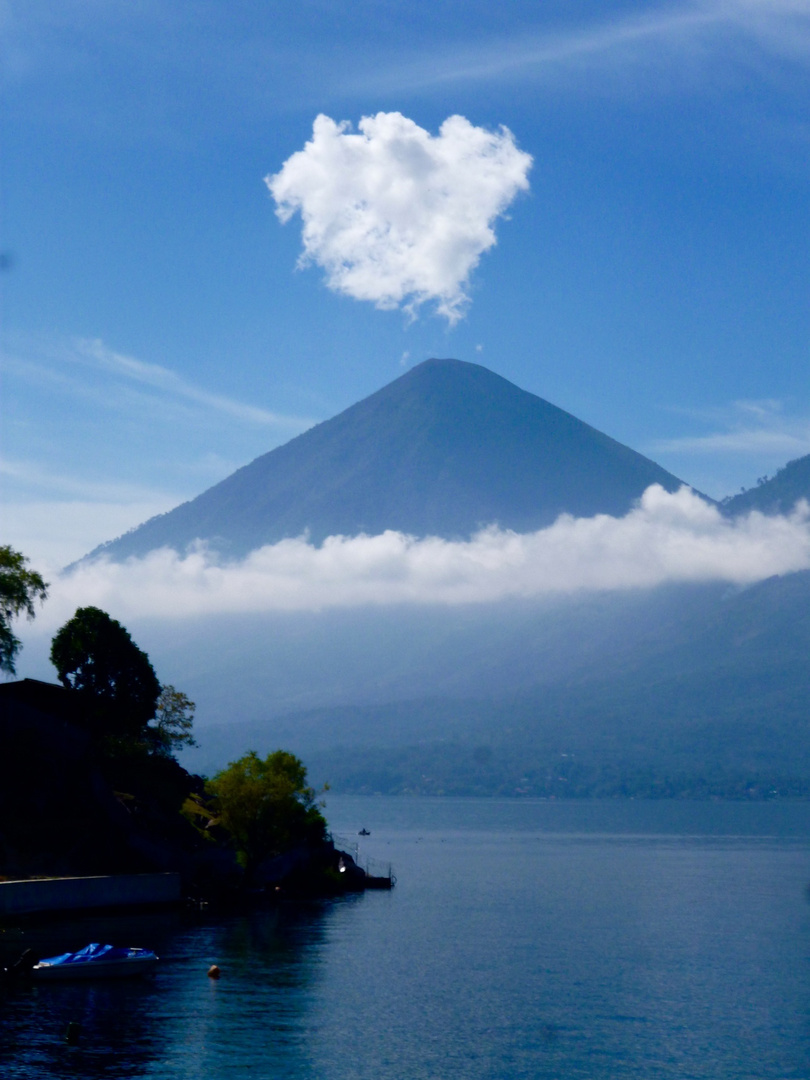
[96, 962]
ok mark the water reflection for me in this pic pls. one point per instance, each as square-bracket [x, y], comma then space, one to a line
[179, 1022]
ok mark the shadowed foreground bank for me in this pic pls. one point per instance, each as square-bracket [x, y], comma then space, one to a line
[70, 806]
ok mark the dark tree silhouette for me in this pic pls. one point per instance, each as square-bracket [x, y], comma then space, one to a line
[95, 656]
[174, 719]
[20, 588]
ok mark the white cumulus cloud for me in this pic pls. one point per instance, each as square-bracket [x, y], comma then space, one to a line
[396, 215]
[666, 538]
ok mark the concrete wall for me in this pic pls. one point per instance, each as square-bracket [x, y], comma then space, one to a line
[82, 893]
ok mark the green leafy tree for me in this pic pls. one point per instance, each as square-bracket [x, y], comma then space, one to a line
[174, 717]
[265, 805]
[94, 655]
[20, 588]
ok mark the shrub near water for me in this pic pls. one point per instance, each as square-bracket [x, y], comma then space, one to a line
[265, 805]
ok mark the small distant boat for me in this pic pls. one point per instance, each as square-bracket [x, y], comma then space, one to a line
[96, 962]
[364, 832]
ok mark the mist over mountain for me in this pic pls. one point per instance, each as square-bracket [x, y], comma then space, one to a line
[443, 450]
[777, 494]
[687, 690]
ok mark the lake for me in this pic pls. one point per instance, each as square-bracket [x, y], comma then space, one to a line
[524, 939]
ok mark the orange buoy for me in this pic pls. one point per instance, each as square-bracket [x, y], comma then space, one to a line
[214, 972]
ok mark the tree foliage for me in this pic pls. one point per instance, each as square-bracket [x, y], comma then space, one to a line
[20, 588]
[265, 805]
[174, 717]
[94, 655]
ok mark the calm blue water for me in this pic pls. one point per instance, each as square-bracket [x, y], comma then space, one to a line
[523, 939]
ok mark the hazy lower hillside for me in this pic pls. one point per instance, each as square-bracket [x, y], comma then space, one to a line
[250, 667]
[683, 691]
[779, 494]
[443, 450]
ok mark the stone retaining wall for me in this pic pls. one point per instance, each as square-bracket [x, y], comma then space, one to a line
[84, 893]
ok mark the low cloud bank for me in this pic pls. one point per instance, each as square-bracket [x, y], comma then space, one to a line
[396, 215]
[666, 538]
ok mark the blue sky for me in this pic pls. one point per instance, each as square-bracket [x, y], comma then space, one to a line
[157, 334]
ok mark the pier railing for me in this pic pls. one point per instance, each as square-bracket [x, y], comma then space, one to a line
[347, 844]
[376, 870]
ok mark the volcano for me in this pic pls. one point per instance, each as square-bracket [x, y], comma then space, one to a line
[444, 450]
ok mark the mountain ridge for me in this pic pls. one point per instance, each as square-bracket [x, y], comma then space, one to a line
[777, 494]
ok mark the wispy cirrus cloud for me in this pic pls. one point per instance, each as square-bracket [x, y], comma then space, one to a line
[168, 381]
[667, 538]
[693, 37]
[56, 517]
[55, 361]
[740, 442]
[747, 427]
[256, 67]
[34, 475]
[97, 441]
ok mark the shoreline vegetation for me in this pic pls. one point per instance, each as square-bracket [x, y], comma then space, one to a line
[90, 784]
[72, 805]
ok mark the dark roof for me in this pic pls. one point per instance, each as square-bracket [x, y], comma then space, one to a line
[49, 698]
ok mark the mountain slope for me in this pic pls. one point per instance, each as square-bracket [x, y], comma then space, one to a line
[445, 449]
[779, 494]
[692, 690]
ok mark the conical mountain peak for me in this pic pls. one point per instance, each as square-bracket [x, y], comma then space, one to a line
[447, 448]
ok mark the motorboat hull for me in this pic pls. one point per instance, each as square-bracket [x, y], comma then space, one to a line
[122, 964]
